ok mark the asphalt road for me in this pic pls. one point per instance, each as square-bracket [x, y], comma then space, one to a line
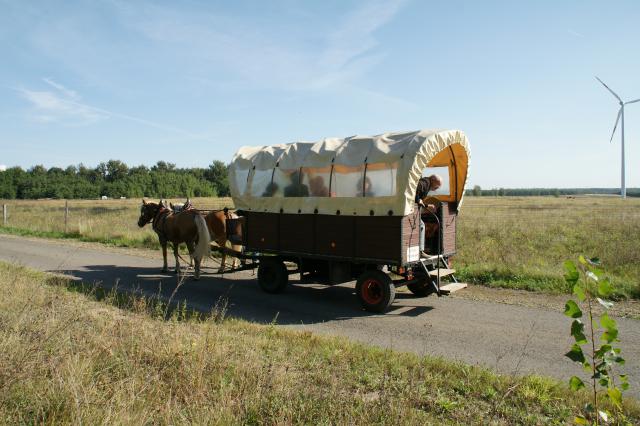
[511, 339]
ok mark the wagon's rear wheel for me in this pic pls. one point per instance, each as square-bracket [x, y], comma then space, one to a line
[375, 290]
[272, 275]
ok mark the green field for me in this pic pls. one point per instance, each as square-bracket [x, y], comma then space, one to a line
[67, 358]
[513, 242]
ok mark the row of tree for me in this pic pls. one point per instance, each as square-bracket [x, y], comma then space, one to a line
[114, 179]
[554, 192]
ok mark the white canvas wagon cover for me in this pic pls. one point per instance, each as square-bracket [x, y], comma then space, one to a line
[358, 175]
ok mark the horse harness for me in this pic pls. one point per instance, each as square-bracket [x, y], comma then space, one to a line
[160, 220]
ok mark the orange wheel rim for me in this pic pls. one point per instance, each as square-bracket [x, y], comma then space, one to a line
[372, 291]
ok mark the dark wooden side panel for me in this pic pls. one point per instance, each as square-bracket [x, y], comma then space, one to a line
[335, 235]
[360, 239]
[410, 233]
[297, 233]
[378, 237]
[262, 231]
[449, 218]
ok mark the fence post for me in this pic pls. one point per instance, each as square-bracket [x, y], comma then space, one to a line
[66, 214]
[4, 215]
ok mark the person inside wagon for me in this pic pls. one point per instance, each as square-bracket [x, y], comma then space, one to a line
[317, 187]
[427, 229]
[296, 188]
[364, 187]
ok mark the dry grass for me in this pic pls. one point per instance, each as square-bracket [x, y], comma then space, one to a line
[522, 242]
[66, 358]
[109, 221]
[514, 242]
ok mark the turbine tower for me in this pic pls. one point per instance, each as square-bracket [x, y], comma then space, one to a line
[623, 187]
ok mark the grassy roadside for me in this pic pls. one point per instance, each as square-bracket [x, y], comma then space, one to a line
[148, 241]
[522, 242]
[67, 358]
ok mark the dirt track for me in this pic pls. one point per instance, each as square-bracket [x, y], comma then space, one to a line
[510, 338]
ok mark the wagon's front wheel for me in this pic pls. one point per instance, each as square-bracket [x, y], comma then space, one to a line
[375, 290]
[272, 276]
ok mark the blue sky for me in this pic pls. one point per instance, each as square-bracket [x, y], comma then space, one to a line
[190, 82]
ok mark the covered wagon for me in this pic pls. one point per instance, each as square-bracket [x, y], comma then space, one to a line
[343, 209]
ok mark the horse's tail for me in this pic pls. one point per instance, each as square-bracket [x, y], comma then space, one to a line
[204, 239]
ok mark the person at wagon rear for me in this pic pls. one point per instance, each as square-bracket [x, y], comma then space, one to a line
[426, 184]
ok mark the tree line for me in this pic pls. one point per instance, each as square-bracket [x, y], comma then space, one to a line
[553, 192]
[115, 179]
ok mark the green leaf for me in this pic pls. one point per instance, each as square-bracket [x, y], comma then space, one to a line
[577, 331]
[602, 350]
[572, 310]
[582, 260]
[611, 326]
[579, 292]
[576, 354]
[597, 271]
[580, 420]
[624, 382]
[594, 261]
[571, 272]
[607, 322]
[610, 336]
[575, 383]
[615, 396]
[604, 287]
[605, 303]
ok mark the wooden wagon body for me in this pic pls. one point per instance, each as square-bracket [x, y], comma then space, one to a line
[340, 236]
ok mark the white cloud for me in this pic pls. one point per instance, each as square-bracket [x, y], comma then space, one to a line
[63, 105]
[60, 106]
[69, 93]
[3, 168]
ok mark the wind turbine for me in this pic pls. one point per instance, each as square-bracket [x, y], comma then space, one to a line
[623, 187]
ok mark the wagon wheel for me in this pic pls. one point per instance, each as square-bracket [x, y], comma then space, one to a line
[421, 289]
[273, 276]
[375, 290]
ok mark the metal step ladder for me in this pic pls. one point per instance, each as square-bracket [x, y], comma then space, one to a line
[441, 269]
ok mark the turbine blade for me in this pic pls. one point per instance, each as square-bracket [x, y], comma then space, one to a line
[609, 89]
[631, 102]
[615, 126]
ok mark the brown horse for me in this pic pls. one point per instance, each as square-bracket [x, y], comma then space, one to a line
[187, 227]
[217, 225]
